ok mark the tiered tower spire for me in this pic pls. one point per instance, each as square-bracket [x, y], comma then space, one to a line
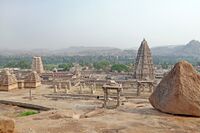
[144, 68]
[37, 65]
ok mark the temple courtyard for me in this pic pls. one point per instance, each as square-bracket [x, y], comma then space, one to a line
[84, 113]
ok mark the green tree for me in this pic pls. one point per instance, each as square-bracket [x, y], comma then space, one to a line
[165, 65]
[23, 65]
[65, 66]
[119, 68]
[20, 64]
[50, 67]
[101, 65]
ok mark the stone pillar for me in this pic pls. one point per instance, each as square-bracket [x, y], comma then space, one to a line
[118, 97]
[30, 93]
[132, 86]
[121, 90]
[92, 89]
[80, 89]
[55, 89]
[95, 87]
[105, 97]
[69, 85]
[59, 85]
[150, 87]
[66, 89]
[84, 85]
[138, 89]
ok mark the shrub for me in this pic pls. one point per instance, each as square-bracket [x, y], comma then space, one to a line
[27, 113]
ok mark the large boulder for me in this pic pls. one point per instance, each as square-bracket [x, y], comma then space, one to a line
[7, 125]
[179, 91]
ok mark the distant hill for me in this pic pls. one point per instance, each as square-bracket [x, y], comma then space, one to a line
[71, 51]
[190, 49]
[94, 51]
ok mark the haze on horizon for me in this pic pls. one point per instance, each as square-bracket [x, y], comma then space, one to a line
[54, 24]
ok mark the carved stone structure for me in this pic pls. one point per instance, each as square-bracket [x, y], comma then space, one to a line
[7, 81]
[144, 68]
[77, 73]
[37, 65]
[141, 86]
[32, 80]
[112, 85]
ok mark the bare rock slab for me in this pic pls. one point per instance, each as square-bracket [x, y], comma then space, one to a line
[7, 125]
[179, 91]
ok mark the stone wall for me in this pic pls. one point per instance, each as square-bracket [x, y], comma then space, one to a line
[8, 87]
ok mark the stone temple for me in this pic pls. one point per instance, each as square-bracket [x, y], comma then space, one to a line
[8, 81]
[144, 68]
[32, 80]
[37, 65]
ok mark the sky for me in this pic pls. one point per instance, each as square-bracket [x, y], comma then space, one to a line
[55, 24]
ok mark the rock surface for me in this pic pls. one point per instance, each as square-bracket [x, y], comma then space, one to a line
[7, 125]
[179, 91]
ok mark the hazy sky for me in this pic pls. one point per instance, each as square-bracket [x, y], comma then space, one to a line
[114, 23]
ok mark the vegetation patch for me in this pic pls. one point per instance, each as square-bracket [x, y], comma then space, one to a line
[27, 113]
[120, 68]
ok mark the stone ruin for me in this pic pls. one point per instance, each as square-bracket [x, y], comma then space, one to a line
[179, 91]
[37, 65]
[144, 68]
[111, 85]
[76, 73]
[32, 80]
[8, 81]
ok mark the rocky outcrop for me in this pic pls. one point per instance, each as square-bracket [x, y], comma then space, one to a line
[179, 91]
[7, 125]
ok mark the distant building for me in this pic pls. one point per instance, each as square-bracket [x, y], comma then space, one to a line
[37, 65]
[144, 68]
[32, 80]
[8, 81]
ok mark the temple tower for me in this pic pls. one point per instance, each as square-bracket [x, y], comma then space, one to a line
[37, 65]
[144, 68]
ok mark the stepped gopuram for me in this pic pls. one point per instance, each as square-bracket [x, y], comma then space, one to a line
[8, 81]
[144, 68]
[32, 80]
[37, 65]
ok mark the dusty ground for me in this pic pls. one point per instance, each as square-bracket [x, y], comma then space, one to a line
[11, 111]
[135, 116]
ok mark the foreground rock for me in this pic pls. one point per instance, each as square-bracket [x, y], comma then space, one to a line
[7, 125]
[179, 91]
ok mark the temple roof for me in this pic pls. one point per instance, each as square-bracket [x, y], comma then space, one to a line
[7, 78]
[33, 77]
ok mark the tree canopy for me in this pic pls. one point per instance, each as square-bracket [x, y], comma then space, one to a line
[101, 65]
[65, 66]
[120, 68]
